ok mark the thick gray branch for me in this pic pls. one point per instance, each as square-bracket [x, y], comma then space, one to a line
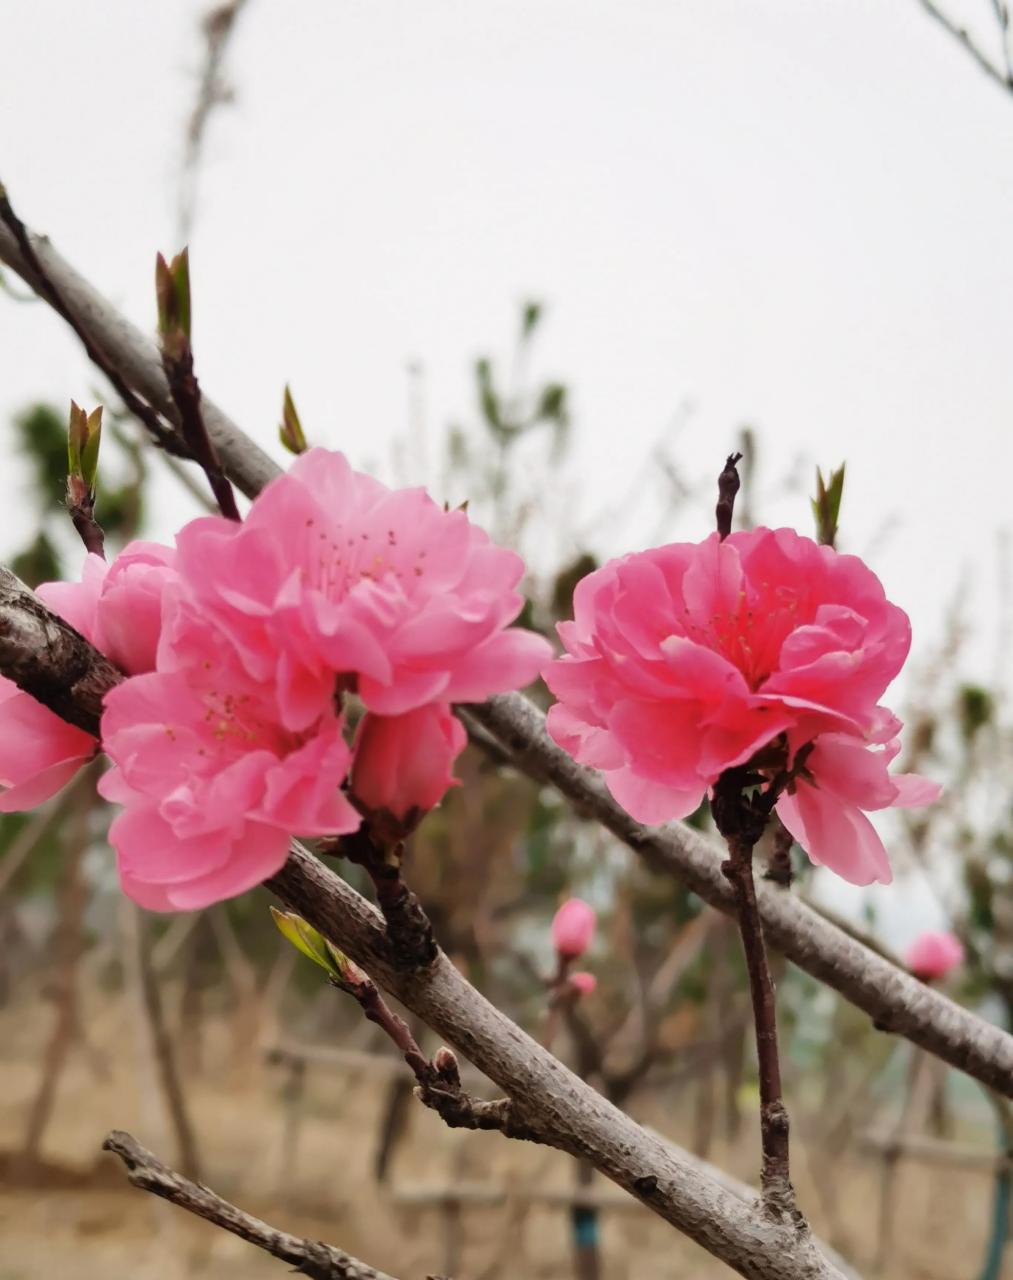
[308, 1257]
[891, 998]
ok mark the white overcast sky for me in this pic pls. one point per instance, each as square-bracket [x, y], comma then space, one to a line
[794, 213]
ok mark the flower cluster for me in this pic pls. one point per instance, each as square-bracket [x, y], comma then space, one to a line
[763, 649]
[229, 735]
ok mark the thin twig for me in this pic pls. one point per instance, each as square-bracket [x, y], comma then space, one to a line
[741, 818]
[185, 391]
[310, 1258]
[1003, 79]
[439, 1080]
[218, 25]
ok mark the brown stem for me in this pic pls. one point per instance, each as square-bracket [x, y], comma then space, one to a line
[185, 391]
[88, 529]
[308, 1257]
[408, 926]
[775, 1181]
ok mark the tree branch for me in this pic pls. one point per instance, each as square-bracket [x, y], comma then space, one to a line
[1003, 78]
[309, 1257]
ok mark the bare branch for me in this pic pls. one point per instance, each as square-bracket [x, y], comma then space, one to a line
[1002, 77]
[218, 26]
[309, 1257]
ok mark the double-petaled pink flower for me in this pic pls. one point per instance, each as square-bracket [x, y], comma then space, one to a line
[690, 659]
[333, 577]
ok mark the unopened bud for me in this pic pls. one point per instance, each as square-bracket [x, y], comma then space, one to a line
[573, 928]
[583, 984]
[445, 1065]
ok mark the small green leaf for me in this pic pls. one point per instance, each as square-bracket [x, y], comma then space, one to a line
[827, 505]
[290, 432]
[312, 943]
[172, 294]
[84, 435]
[306, 939]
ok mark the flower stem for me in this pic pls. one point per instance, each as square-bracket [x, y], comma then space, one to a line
[775, 1182]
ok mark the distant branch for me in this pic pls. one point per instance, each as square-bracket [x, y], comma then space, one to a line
[218, 26]
[1003, 76]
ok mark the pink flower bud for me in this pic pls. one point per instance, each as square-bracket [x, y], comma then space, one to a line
[573, 928]
[583, 983]
[402, 763]
[933, 955]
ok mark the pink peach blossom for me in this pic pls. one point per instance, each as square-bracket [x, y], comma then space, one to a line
[687, 660]
[585, 984]
[573, 928]
[212, 782]
[933, 955]
[333, 576]
[402, 764]
[117, 607]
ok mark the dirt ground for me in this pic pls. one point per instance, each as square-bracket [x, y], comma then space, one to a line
[305, 1164]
